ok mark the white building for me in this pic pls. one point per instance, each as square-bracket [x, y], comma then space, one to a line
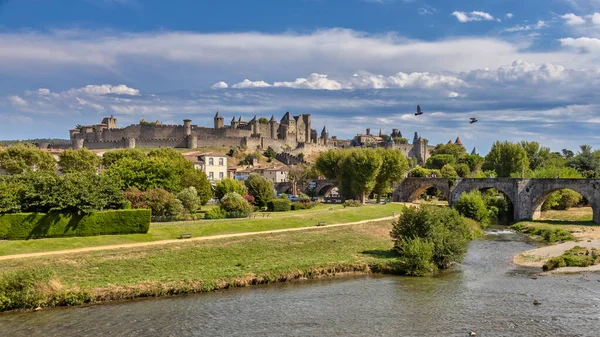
[276, 174]
[214, 165]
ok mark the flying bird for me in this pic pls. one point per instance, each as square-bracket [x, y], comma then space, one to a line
[473, 120]
[419, 112]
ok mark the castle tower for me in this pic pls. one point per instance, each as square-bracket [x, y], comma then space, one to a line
[273, 124]
[325, 135]
[191, 141]
[187, 123]
[475, 152]
[234, 123]
[458, 142]
[110, 122]
[219, 121]
[368, 131]
[77, 144]
[73, 133]
[415, 138]
[396, 133]
[380, 134]
[254, 125]
[129, 142]
[307, 131]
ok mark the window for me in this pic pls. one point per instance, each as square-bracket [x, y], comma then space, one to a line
[211, 161]
[221, 174]
[220, 161]
[211, 175]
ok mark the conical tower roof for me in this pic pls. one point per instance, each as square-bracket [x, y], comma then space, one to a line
[233, 119]
[240, 119]
[449, 142]
[253, 119]
[218, 115]
[286, 117]
[475, 152]
[273, 119]
[324, 130]
[458, 142]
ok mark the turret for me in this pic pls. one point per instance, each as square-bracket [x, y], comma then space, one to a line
[187, 123]
[273, 124]
[415, 138]
[458, 142]
[219, 121]
[475, 152]
[254, 124]
[234, 123]
[325, 135]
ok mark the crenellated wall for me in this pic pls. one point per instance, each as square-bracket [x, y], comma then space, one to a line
[159, 143]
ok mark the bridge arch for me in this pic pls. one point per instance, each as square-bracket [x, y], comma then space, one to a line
[324, 189]
[537, 191]
[410, 189]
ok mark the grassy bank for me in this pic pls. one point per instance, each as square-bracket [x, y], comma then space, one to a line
[192, 267]
[546, 231]
[167, 231]
[574, 257]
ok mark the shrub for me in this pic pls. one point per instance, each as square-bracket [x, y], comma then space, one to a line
[298, 205]
[279, 205]
[215, 213]
[229, 185]
[22, 226]
[261, 189]
[448, 171]
[235, 206]
[562, 199]
[352, 203]
[440, 160]
[416, 256]
[418, 172]
[190, 200]
[445, 228]
[161, 202]
[462, 170]
[472, 206]
[249, 198]
[549, 234]
[575, 257]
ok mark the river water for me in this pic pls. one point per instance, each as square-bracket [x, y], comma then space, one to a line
[487, 294]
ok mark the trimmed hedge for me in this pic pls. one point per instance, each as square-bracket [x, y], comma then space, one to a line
[24, 226]
[279, 205]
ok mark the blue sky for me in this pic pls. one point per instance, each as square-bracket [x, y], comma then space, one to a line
[528, 69]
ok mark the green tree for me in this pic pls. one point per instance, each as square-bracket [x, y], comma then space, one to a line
[474, 161]
[263, 120]
[393, 166]
[418, 172]
[328, 163]
[462, 170]
[20, 157]
[585, 160]
[454, 150]
[235, 205]
[416, 256]
[448, 171]
[162, 202]
[261, 189]
[270, 153]
[400, 140]
[472, 206]
[228, 185]
[506, 158]
[359, 171]
[440, 160]
[443, 227]
[192, 177]
[10, 191]
[144, 174]
[85, 192]
[537, 155]
[190, 200]
[84, 160]
[111, 157]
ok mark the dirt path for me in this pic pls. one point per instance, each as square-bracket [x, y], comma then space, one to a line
[165, 242]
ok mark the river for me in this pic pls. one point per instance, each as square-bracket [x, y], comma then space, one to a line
[487, 294]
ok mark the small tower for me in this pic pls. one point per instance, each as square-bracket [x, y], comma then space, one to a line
[187, 123]
[415, 139]
[254, 125]
[325, 135]
[458, 142]
[219, 121]
[234, 123]
[273, 124]
[475, 152]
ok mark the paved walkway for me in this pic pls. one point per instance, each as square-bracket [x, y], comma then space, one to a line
[165, 242]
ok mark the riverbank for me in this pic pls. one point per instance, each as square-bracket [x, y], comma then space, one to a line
[195, 266]
[586, 235]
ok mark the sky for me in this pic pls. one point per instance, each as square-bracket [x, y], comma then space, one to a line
[526, 69]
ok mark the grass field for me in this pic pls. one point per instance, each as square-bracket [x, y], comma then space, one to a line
[190, 267]
[167, 231]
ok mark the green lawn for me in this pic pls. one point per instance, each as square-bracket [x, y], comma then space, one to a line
[195, 266]
[166, 231]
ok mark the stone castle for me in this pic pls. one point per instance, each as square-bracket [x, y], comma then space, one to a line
[291, 134]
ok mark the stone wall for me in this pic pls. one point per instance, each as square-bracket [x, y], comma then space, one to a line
[160, 143]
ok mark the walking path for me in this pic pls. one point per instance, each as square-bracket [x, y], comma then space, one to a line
[164, 242]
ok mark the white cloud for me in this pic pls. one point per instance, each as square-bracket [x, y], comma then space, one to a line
[250, 84]
[17, 101]
[106, 89]
[595, 18]
[314, 81]
[585, 44]
[572, 19]
[472, 16]
[509, 15]
[94, 106]
[220, 85]
[520, 28]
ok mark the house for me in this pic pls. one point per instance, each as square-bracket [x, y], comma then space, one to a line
[276, 174]
[214, 165]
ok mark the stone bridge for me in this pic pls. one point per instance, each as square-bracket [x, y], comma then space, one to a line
[322, 186]
[526, 195]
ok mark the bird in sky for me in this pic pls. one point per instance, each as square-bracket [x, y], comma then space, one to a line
[419, 112]
[473, 120]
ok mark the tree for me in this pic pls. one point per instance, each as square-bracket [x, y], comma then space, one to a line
[440, 160]
[235, 205]
[263, 120]
[472, 206]
[162, 203]
[20, 157]
[145, 174]
[261, 189]
[298, 175]
[393, 166]
[506, 158]
[83, 160]
[462, 170]
[85, 192]
[567, 154]
[358, 172]
[328, 163]
[448, 172]
[190, 200]
[111, 157]
[536, 154]
[270, 153]
[228, 185]
[385, 138]
[474, 161]
[249, 158]
[192, 177]
[456, 151]
[400, 140]
[585, 160]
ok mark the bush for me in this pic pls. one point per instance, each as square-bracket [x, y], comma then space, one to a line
[190, 200]
[575, 257]
[229, 185]
[448, 171]
[279, 205]
[215, 214]
[445, 228]
[261, 189]
[23, 226]
[418, 172]
[549, 234]
[416, 256]
[562, 199]
[161, 202]
[352, 203]
[472, 206]
[235, 206]
[298, 205]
